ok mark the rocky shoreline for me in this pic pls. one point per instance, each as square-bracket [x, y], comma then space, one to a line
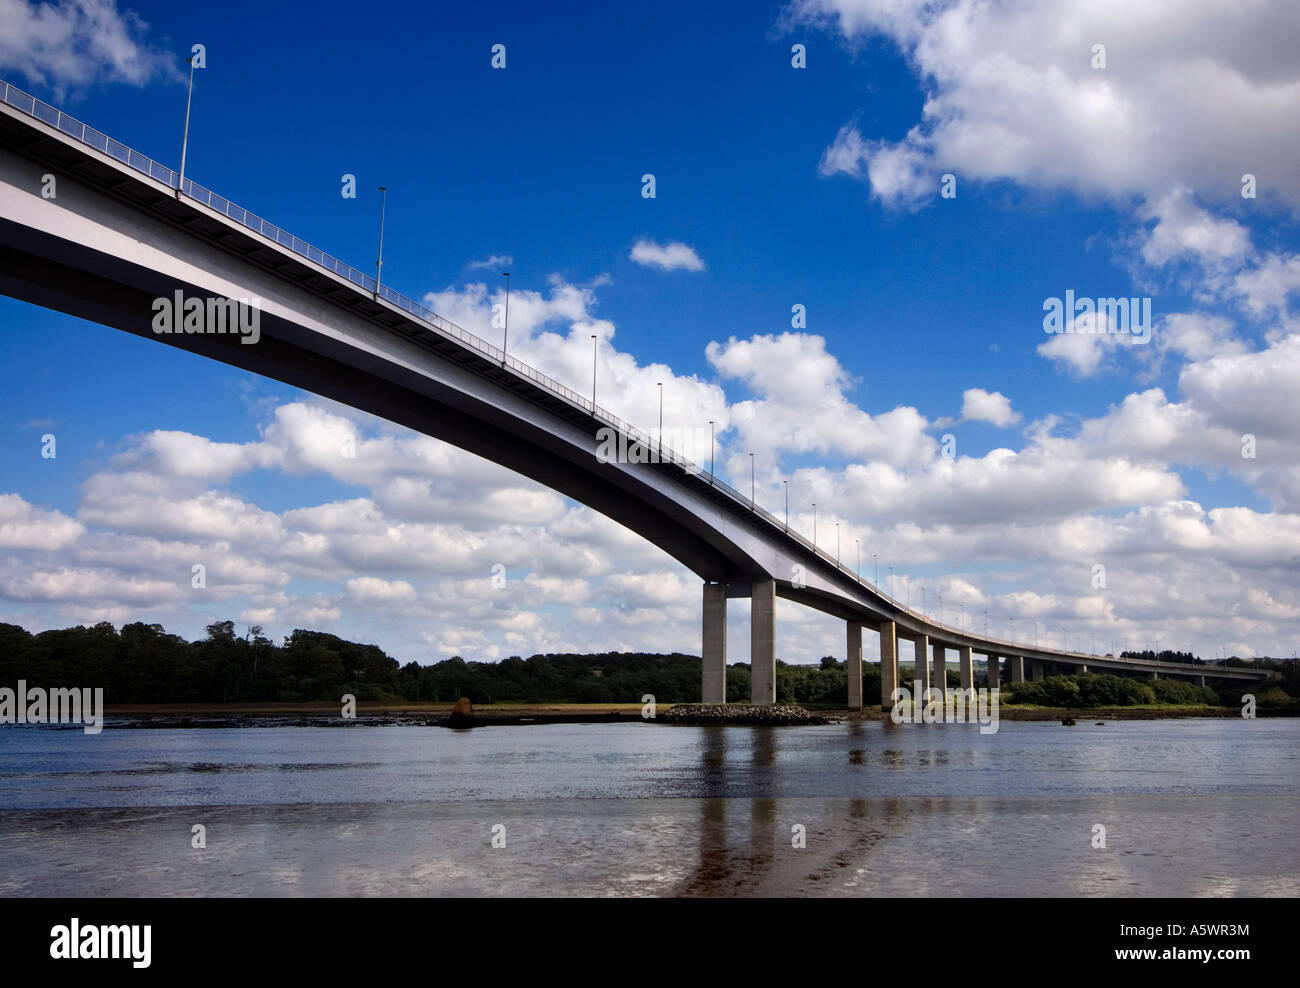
[777, 715]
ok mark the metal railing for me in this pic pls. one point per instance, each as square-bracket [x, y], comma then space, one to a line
[33, 107]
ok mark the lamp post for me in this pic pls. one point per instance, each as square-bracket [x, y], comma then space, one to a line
[185, 140]
[875, 556]
[907, 584]
[837, 543]
[786, 485]
[891, 582]
[711, 448]
[379, 264]
[858, 543]
[661, 418]
[924, 610]
[752, 504]
[505, 333]
[594, 345]
[814, 525]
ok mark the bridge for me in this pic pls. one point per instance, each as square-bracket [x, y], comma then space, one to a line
[124, 230]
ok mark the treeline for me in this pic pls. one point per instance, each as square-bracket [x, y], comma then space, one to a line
[1100, 690]
[144, 664]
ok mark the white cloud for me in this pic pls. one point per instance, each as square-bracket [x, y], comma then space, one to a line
[666, 257]
[979, 405]
[495, 261]
[77, 43]
[24, 526]
[1193, 93]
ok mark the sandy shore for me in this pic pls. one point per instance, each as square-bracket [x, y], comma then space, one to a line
[190, 715]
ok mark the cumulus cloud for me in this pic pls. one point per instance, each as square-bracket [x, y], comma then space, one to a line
[77, 43]
[994, 407]
[674, 256]
[1192, 93]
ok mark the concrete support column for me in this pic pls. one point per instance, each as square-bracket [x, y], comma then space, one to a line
[888, 663]
[1200, 680]
[995, 671]
[854, 667]
[921, 678]
[1036, 672]
[713, 644]
[1016, 666]
[762, 642]
[1155, 675]
[941, 669]
[966, 667]
[1083, 668]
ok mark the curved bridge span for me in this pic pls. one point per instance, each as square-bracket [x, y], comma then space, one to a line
[124, 231]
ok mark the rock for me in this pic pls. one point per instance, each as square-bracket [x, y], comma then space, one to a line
[462, 714]
[780, 714]
[1067, 721]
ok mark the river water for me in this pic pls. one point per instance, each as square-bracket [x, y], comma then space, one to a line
[1188, 807]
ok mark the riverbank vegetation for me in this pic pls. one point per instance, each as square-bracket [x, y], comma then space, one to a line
[142, 663]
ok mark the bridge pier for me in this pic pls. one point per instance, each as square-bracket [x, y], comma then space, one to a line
[762, 643]
[921, 675]
[1200, 680]
[713, 644]
[1036, 672]
[966, 667]
[1016, 667]
[854, 666]
[941, 670]
[888, 663]
[994, 671]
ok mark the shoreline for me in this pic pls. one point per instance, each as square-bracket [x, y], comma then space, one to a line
[375, 714]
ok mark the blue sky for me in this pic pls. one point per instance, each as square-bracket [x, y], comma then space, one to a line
[815, 186]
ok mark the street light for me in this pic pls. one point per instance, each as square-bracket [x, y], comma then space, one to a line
[711, 447]
[752, 505]
[786, 485]
[505, 333]
[185, 140]
[594, 344]
[876, 557]
[379, 264]
[891, 582]
[837, 543]
[661, 419]
[858, 543]
[814, 526]
[924, 611]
